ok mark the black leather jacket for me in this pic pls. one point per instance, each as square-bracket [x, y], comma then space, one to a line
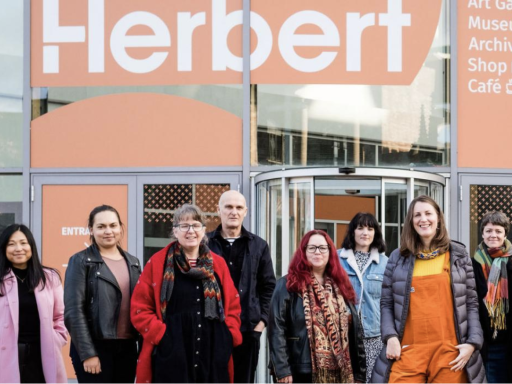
[288, 337]
[92, 299]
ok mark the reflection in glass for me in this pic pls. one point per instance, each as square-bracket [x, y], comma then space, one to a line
[359, 125]
[11, 83]
[269, 220]
[10, 200]
[300, 213]
[395, 211]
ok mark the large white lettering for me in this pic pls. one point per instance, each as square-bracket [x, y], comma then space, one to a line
[222, 23]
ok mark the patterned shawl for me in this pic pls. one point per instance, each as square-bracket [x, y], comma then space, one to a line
[327, 323]
[203, 271]
[494, 265]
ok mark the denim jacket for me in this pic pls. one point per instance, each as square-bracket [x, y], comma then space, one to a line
[367, 286]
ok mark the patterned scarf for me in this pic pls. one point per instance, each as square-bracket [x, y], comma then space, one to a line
[494, 265]
[203, 271]
[327, 323]
[428, 255]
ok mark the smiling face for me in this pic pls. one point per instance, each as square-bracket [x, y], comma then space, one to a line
[317, 259]
[191, 239]
[106, 230]
[493, 235]
[363, 237]
[18, 250]
[425, 221]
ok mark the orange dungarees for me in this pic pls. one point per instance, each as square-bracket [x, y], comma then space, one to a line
[429, 341]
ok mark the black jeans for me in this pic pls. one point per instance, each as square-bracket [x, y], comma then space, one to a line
[118, 359]
[31, 365]
[245, 357]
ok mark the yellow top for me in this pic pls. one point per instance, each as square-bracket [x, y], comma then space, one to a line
[429, 267]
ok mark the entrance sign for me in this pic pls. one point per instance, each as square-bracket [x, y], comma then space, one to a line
[155, 42]
[484, 81]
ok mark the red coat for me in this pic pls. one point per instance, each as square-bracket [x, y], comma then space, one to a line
[147, 317]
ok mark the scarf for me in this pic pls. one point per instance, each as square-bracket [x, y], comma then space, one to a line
[327, 323]
[203, 271]
[494, 265]
[428, 255]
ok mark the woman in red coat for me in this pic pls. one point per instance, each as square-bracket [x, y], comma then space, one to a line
[187, 309]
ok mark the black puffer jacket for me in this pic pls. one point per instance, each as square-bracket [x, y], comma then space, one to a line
[290, 353]
[394, 304]
[92, 299]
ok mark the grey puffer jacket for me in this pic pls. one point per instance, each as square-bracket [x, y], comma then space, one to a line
[394, 304]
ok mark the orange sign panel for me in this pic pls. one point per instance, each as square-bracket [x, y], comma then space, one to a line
[64, 224]
[155, 42]
[484, 82]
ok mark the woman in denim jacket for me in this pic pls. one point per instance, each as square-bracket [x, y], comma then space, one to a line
[362, 256]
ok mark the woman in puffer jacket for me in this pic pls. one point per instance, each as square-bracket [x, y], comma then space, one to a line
[429, 307]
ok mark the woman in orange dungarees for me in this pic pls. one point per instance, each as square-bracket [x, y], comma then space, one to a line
[429, 306]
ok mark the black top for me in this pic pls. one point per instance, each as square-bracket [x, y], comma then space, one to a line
[234, 253]
[29, 324]
[193, 349]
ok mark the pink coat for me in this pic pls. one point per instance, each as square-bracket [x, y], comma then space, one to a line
[50, 305]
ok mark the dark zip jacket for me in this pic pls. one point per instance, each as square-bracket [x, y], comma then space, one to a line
[394, 304]
[92, 299]
[257, 281]
[290, 353]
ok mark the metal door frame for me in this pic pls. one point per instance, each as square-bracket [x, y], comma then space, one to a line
[38, 181]
[231, 178]
[465, 181]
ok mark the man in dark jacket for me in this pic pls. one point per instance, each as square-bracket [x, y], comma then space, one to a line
[250, 266]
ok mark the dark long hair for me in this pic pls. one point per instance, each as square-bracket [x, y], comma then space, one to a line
[410, 242]
[35, 270]
[299, 272]
[364, 219]
[92, 216]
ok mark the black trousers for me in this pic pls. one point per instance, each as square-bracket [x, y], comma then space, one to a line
[31, 365]
[245, 357]
[118, 359]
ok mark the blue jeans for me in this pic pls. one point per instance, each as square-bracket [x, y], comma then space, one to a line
[496, 364]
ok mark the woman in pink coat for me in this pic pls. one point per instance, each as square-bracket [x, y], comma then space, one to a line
[32, 331]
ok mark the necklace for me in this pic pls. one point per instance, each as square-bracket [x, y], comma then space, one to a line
[20, 279]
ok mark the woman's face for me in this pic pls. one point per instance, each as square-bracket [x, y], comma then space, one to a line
[189, 233]
[493, 235]
[319, 256]
[106, 229]
[18, 250]
[363, 237]
[425, 221]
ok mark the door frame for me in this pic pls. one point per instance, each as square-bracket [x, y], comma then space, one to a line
[38, 181]
[465, 181]
[232, 178]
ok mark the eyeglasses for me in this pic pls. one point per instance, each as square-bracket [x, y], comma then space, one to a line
[186, 227]
[321, 248]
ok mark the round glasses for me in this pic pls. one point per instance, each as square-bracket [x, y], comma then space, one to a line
[186, 227]
[321, 248]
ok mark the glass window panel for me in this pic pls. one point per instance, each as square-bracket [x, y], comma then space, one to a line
[162, 200]
[10, 200]
[420, 189]
[483, 199]
[11, 83]
[300, 213]
[359, 125]
[395, 209]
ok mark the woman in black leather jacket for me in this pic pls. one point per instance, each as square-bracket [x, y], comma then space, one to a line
[314, 331]
[97, 292]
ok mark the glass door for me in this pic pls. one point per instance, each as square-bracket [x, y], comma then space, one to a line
[158, 197]
[481, 194]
